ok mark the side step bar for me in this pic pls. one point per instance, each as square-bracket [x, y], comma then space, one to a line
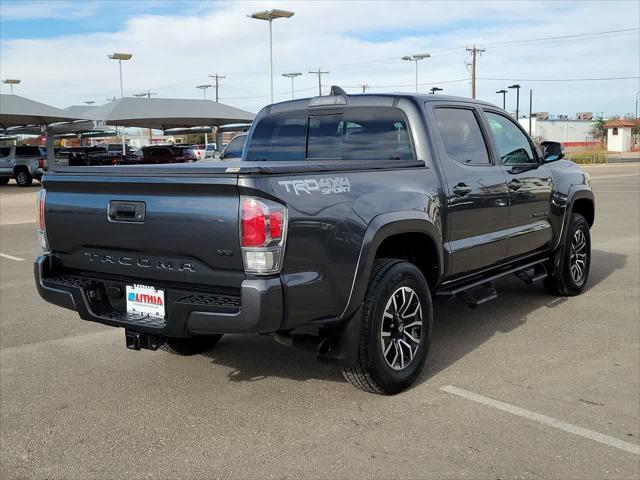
[483, 290]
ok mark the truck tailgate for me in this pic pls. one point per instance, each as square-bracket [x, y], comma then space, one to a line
[186, 231]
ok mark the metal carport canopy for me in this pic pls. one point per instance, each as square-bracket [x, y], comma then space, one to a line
[165, 113]
[16, 110]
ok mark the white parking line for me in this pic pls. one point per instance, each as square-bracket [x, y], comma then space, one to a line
[550, 421]
[11, 257]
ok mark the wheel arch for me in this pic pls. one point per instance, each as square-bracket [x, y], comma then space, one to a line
[398, 234]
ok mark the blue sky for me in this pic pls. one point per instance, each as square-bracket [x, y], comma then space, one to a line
[59, 48]
[53, 18]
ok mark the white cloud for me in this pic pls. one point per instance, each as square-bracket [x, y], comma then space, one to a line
[172, 54]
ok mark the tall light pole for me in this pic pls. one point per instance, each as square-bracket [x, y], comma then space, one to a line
[292, 75]
[204, 96]
[11, 82]
[504, 99]
[435, 89]
[204, 90]
[517, 87]
[416, 58]
[120, 57]
[637, 100]
[270, 16]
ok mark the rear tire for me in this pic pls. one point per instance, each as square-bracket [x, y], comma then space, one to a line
[571, 278]
[190, 345]
[397, 318]
[23, 178]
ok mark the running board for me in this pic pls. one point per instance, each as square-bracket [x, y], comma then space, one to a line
[482, 290]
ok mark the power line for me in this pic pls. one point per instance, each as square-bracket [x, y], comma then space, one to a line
[560, 79]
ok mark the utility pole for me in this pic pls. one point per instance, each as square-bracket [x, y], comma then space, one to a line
[319, 73]
[474, 54]
[365, 88]
[217, 78]
[530, 108]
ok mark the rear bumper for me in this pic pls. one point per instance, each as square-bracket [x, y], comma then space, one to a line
[258, 308]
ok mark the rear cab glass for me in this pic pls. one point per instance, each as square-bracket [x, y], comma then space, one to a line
[359, 133]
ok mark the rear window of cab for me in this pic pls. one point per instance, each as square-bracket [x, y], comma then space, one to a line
[374, 133]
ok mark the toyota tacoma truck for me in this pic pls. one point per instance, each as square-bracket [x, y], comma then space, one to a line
[345, 218]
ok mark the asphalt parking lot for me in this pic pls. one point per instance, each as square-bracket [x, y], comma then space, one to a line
[527, 386]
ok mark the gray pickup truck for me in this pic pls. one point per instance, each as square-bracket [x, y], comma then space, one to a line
[345, 218]
[22, 163]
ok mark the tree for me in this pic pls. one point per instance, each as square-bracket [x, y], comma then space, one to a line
[598, 131]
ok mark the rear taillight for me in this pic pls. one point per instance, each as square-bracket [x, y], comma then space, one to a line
[42, 231]
[263, 231]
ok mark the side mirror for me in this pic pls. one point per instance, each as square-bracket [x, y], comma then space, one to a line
[552, 151]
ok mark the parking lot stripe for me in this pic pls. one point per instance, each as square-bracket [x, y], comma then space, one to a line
[550, 421]
[11, 257]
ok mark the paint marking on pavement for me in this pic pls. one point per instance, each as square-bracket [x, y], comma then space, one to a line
[11, 257]
[550, 421]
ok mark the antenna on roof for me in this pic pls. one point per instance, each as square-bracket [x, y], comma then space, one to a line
[336, 90]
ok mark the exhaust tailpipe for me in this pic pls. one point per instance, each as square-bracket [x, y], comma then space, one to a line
[310, 343]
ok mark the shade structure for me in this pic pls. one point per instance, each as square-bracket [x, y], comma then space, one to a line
[16, 110]
[165, 113]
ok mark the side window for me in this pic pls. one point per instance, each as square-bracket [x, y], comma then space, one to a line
[513, 145]
[462, 137]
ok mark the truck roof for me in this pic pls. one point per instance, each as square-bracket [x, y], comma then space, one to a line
[369, 100]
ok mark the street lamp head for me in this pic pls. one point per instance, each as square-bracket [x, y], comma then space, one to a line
[515, 85]
[11, 81]
[501, 91]
[204, 86]
[292, 74]
[435, 89]
[120, 56]
[270, 15]
[416, 57]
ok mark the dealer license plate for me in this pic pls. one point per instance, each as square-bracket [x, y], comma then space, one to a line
[145, 300]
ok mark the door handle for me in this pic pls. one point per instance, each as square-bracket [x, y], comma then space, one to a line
[514, 184]
[462, 189]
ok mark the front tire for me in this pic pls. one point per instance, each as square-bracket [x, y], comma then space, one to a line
[190, 345]
[23, 178]
[569, 278]
[396, 329]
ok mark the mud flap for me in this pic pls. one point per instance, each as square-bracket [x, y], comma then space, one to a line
[345, 341]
